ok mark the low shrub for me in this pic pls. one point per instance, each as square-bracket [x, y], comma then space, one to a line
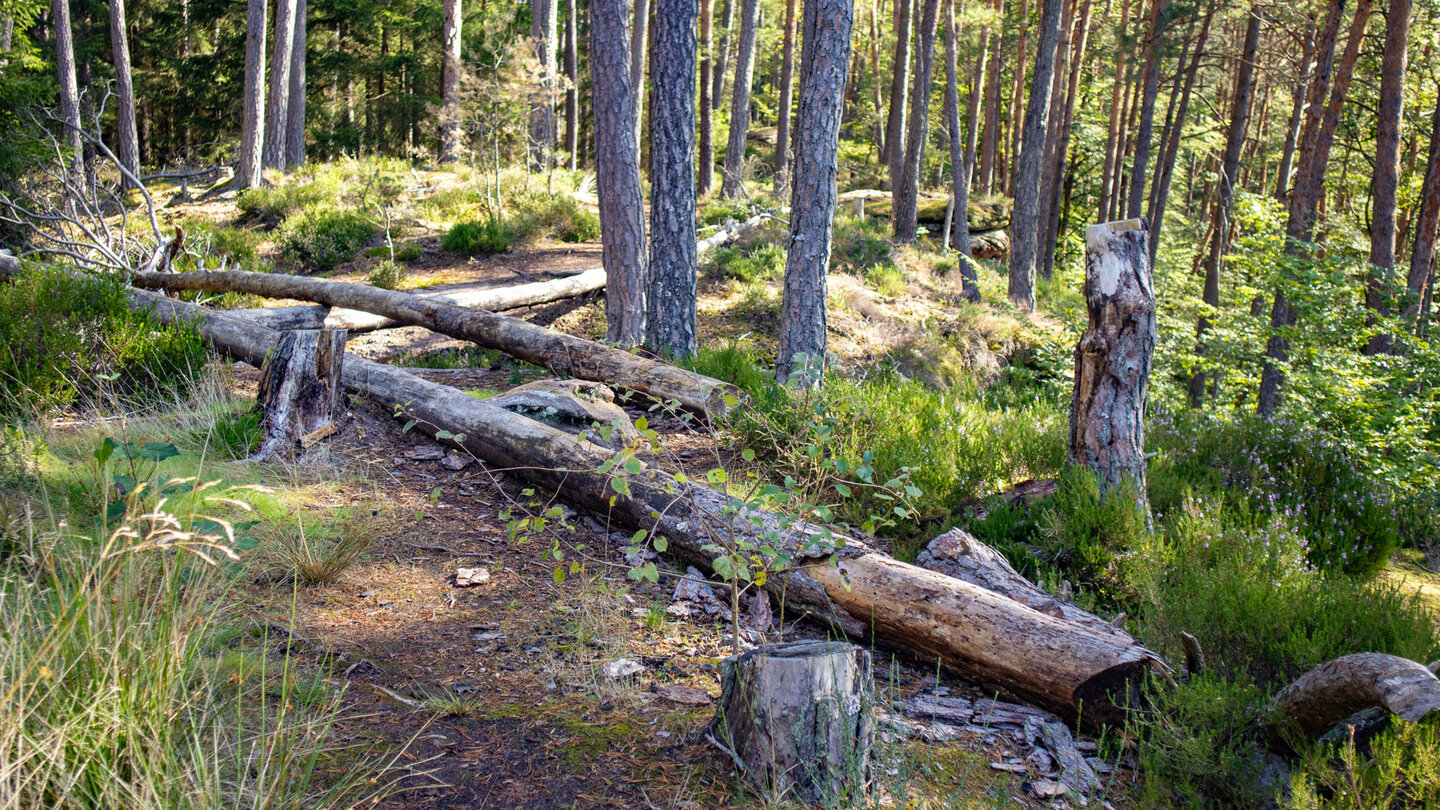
[763, 262]
[479, 238]
[72, 340]
[325, 238]
[271, 204]
[387, 275]
[560, 216]
[236, 435]
[886, 278]
[1093, 540]
[720, 210]
[859, 245]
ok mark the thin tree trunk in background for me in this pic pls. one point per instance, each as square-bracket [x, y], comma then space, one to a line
[69, 90]
[450, 85]
[991, 142]
[787, 101]
[544, 21]
[670, 321]
[1017, 94]
[824, 56]
[733, 176]
[1384, 187]
[962, 148]
[1112, 139]
[278, 104]
[252, 118]
[1427, 226]
[1050, 244]
[905, 207]
[128, 146]
[639, 50]
[572, 91]
[1170, 147]
[1024, 219]
[727, 33]
[617, 173]
[1177, 81]
[1128, 111]
[1297, 116]
[706, 177]
[878, 133]
[893, 151]
[1230, 167]
[1310, 182]
[1139, 169]
[295, 112]
[1050, 180]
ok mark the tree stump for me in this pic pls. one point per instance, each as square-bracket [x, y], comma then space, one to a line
[300, 389]
[797, 719]
[1112, 359]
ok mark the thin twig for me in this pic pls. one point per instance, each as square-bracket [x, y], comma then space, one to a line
[733, 756]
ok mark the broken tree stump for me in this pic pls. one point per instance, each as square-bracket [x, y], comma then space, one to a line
[300, 389]
[1112, 359]
[796, 719]
[1331, 692]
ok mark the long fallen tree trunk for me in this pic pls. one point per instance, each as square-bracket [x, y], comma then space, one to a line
[493, 299]
[1059, 665]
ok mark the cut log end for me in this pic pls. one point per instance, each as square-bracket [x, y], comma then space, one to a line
[301, 390]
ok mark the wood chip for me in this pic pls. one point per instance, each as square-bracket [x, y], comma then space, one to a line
[688, 695]
[466, 577]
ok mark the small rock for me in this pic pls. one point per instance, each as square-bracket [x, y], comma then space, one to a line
[465, 577]
[385, 603]
[688, 695]
[1009, 767]
[456, 461]
[678, 610]
[941, 733]
[1046, 788]
[639, 557]
[429, 452]
[367, 593]
[623, 668]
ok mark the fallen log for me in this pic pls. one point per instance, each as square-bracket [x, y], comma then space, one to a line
[1053, 663]
[1339, 688]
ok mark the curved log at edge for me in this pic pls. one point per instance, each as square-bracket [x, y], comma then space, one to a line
[1336, 689]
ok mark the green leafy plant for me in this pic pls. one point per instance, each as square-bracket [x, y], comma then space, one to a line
[387, 275]
[325, 238]
[479, 238]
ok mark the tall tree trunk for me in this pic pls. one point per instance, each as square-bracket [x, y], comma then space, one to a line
[278, 104]
[893, 150]
[962, 147]
[1170, 146]
[128, 146]
[824, 56]
[671, 300]
[1017, 94]
[450, 84]
[905, 208]
[1051, 184]
[1384, 186]
[1304, 200]
[544, 21]
[734, 169]
[252, 119]
[876, 86]
[787, 101]
[639, 50]
[1050, 242]
[1297, 116]
[1112, 140]
[706, 177]
[295, 116]
[991, 141]
[1229, 168]
[727, 33]
[1025, 217]
[69, 91]
[572, 91]
[1140, 167]
[617, 173]
[1427, 226]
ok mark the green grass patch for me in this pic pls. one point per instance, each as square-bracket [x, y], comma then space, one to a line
[479, 238]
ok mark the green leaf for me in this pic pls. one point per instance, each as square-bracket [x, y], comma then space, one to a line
[441, 435]
[559, 575]
[620, 485]
[633, 465]
[158, 451]
[661, 543]
[843, 490]
[747, 454]
[106, 449]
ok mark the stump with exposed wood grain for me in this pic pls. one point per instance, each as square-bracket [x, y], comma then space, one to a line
[301, 390]
[797, 719]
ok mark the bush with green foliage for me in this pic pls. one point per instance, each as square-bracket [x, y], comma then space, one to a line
[560, 216]
[762, 262]
[479, 238]
[859, 245]
[387, 275]
[720, 210]
[72, 340]
[886, 278]
[325, 238]
[271, 204]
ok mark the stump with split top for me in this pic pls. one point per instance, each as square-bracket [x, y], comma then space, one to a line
[301, 391]
[797, 719]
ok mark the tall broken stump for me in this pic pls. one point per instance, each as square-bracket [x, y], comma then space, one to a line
[301, 390]
[798, 718]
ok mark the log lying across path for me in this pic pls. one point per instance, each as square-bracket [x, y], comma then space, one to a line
[1056, 664]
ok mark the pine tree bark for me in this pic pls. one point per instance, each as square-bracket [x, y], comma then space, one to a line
[905, 208]
[127, 146]
[787, 101]
[617, 173]
[824, 57]
[69, 91]
[278, 101]
[450, 84]
[991, 142]
[722, 64]
[1017, 98]
[1170, 145]
[1024, 218]
[1050, 242]
[706, 177]
[572, 89]
[1140, 166]
[1112, 138]
[1052, 174]
[671, 300]
[1427, 227]
[1225, 193]
[301, 391]
[544, 22]
[252, 119]
[1297, 115]
[893, 150]
[295, 115]
[639, 51]
[734, 169]
[1384, 186]
[962, 149]
[1304, 200]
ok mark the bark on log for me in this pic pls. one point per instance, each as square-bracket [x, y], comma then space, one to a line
[561, 353]
[300, 388]
[797, 719]
[993, 640]
[1112, 359]
[1336, 689]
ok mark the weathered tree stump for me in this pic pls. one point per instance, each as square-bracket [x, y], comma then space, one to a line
[1339, 688]
[1112, 359]
[797, 719]
[300, 389]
